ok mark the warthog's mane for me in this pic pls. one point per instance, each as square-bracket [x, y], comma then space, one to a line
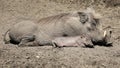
[55, 18]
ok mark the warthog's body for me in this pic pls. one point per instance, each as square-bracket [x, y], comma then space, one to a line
[65, 24]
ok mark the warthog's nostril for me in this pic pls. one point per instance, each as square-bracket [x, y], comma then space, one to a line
[110, 32]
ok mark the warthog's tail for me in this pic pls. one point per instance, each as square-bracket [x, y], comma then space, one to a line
[5, 40]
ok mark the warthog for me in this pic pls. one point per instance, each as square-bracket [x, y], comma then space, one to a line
[62, 25]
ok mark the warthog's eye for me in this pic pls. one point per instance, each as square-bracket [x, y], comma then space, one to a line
[93, 23]
[96, 21]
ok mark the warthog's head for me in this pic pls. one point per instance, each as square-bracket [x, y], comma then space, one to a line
[91, 22]
[90, 19]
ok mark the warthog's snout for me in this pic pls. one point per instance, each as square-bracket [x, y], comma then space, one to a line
[108, 38]
[105, 39]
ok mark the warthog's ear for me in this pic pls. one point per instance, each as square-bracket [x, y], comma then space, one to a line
[92, 11]
[83, 17]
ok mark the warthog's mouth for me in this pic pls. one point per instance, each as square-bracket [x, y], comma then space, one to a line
[102, 43]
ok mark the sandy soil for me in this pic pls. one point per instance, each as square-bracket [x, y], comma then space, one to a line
[11, 56]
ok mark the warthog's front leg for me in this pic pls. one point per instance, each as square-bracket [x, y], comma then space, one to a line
[65, 42]
[72, 41]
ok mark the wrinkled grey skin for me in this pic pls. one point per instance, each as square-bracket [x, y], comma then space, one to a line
[23, 32]
[72, 41]
[62, 25]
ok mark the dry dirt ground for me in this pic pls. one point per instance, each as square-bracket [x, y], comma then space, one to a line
[11, 56]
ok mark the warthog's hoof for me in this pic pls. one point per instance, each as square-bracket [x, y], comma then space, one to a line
[55, 45]
[89, 46]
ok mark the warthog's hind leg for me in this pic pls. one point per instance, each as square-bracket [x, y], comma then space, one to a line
[26, 40]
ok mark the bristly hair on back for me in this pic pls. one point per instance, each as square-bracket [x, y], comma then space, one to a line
[91, 10]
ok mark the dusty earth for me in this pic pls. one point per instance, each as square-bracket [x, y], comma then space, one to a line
[11, 56]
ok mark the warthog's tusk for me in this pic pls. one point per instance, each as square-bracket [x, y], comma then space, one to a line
[53, 43]
[105, 32]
